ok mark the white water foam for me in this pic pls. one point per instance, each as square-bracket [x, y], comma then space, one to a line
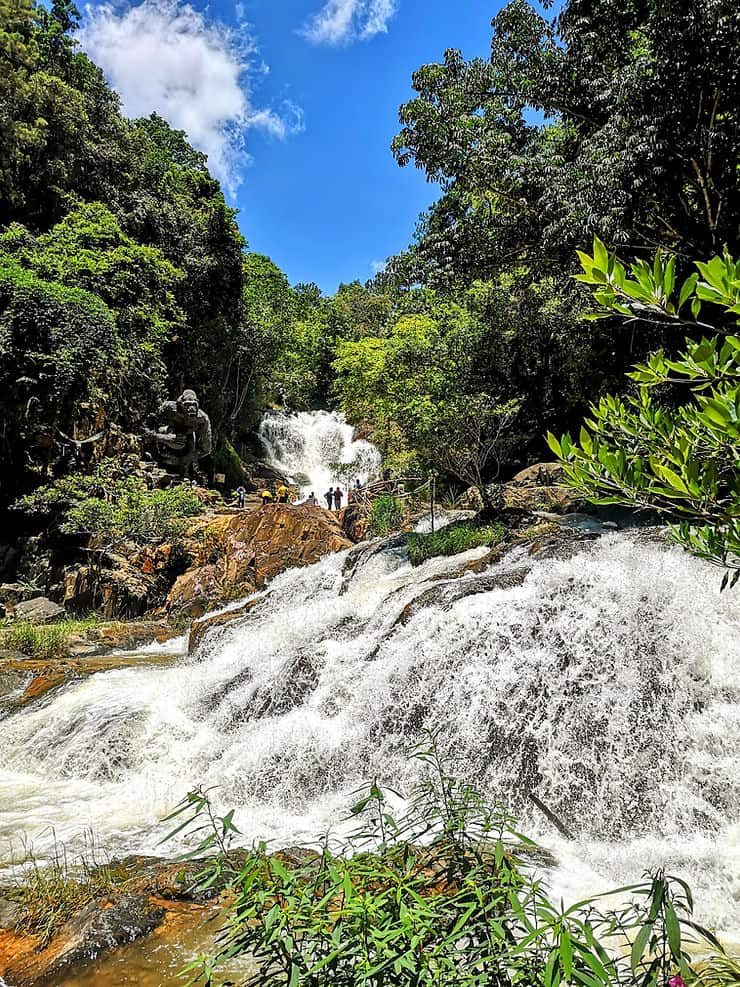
[607, 683]
[306, 444]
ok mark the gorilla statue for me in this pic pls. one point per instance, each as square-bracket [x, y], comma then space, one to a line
[182, 434]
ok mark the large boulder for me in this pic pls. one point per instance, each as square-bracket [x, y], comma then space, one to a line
[282, 536]
[539, 475]
[254, 547]
[39, 610]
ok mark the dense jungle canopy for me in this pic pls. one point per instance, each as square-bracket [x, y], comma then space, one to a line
[124, 276]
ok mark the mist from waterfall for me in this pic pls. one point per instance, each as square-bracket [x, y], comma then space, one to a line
[305, 446]
[607, 683]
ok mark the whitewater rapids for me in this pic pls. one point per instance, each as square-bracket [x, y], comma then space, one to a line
[607, 683]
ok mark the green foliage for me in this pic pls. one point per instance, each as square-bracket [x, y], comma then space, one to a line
[453, 539]
[628, 146]
[385, 515]
[43, 641]
[446, 897]
[115, 507]
[678, 458]
[424, 386]
[51, 893]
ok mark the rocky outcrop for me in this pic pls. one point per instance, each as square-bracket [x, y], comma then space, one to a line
[539, 487]
[252, 547]
[102, 925]
[539, 475]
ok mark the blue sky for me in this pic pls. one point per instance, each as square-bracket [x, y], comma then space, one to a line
[296, 103]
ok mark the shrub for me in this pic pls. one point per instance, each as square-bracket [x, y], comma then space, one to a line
[114, 506]
[385, 515]
[447, 898]
[452, 540]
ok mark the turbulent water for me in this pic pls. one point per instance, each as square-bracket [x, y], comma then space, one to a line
[607, 683]
[306, 446]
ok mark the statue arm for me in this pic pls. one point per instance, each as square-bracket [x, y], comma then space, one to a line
[204, 438]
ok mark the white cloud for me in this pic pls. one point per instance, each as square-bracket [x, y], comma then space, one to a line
[341, 21]
[164, 56]
[376, 266]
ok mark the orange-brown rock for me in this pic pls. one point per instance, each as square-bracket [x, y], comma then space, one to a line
[102, 925]
[255, 546]
[285, 535]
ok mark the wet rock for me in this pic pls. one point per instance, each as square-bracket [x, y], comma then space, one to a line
[298, 857]
[39, 610]
[200, 628]
[120, 636]
[103, 925]
[40, 685]
[298, 677]
[10, 913]
[177, 880]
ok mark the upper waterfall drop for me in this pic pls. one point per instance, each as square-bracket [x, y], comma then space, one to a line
[306, 444]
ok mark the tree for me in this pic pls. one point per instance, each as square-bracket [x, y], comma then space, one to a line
[58, 346]
[419, 387]
[618, 119]
[88, 250]
[680, 458]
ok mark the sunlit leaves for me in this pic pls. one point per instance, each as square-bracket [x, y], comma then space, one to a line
[681, 459]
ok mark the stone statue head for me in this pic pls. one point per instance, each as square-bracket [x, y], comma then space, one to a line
[188, 404]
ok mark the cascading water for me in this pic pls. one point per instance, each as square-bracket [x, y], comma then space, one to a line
[306, 445]
[607, 683]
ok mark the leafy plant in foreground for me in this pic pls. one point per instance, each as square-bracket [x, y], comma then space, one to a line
[683, 460]
[445, 895]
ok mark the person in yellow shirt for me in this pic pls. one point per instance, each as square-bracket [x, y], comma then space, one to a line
[266, 496]
[282, 494]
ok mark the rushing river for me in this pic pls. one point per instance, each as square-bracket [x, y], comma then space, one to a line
[607, 683]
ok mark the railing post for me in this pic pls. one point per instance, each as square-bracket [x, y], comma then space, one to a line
[432, 491]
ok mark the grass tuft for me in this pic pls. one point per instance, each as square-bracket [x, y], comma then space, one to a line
[51, 893]
[452, 540]
[43, 641]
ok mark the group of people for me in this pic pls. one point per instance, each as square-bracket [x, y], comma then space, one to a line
[282, 495]
[334, 497]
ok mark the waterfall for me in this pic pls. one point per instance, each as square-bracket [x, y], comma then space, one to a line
[606, 682]
[306, 445]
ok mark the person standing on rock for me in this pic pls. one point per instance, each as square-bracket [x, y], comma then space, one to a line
[338, 499]
[311, 499]
[329, 498]
[266, 496]
[282, 494]
[241, 494]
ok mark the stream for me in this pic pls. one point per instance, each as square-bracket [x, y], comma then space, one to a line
[607, 683]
